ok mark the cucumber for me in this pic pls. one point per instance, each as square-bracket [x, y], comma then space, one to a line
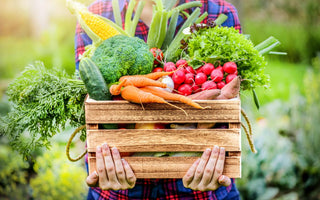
[93, 80]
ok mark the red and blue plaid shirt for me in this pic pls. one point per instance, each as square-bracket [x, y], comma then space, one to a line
[159, 189]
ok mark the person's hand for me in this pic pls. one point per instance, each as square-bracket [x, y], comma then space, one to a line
[206, 173]
[113, 173]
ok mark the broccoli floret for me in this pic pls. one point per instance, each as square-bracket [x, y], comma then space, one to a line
[122, 55]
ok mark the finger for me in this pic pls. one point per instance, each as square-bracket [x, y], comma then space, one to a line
[109, 164]
[118, 165]
[130, 176]
[101, 168]
[219, 166]
[209, 170]
[202, 164]
[187, 179]
[224, 180]
[92, 179]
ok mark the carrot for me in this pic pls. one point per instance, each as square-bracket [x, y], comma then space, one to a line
[116, 89]
[170, 96]
[153, 75]
[205, 94]
[140, 81]
[136, 95]
[231, 90]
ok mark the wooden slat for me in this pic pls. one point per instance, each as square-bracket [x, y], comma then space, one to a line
[125, 112]
[171, 167]
[157, 140]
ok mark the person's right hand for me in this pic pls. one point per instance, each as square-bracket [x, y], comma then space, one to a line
[113, 173]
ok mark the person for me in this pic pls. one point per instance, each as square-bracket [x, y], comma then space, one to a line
[114, 178]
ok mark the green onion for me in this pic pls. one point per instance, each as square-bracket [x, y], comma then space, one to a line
[267, 45]
[171, 29]
[128, 16]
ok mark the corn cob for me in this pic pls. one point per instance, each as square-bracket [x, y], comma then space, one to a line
[94, 26]
[98, 26]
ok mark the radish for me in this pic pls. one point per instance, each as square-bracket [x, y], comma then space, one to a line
[207, 68]
[169, 67]
[230, 77]
[181, 63]
[195, 88]
[178, 77]
[189, 78]
[216, 75]
[157, 69]
[199, 70]
[220, 85]
[189, 69]
[185, 89]
[220, 68]
[208, 85]
[200, 78]
[230, 67]
[168, 81]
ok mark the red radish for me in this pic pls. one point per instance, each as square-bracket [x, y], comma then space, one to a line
[220, 68]
[207, 68]
[199, 70]
[178, 77]
[189, 69]
[189, 78]
[157, 54]
[216, 75]
[208, 85]
[230, 67]
[181, 63]
[176, 86]
[169, 67]
[200, 78]
[185, 89]
[195, 88]
[230, 77]
[220, 85]
[157, 69]
[236, 72]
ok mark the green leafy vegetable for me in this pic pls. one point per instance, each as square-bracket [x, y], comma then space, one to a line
[43, 103]
[223, 44]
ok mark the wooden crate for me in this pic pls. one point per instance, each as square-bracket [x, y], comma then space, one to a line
[165, 140]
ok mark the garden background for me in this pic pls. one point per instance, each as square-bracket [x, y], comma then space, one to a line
[286, 127]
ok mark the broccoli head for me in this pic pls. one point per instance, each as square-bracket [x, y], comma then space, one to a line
[122, 55]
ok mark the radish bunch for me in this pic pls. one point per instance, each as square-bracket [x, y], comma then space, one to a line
[188, 81]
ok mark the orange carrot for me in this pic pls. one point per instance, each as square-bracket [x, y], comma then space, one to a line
[153, 75]
[140, 81]
[116, 89]
[136, 95]
[170, 96]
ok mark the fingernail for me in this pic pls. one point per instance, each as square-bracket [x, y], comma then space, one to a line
[115, 150]
[222, 150]
[96, 173]
[99, 149]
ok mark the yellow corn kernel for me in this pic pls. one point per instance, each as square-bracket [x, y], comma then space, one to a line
[98, 26]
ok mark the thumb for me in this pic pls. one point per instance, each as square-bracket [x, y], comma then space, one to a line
[224, 180]
[92, 179]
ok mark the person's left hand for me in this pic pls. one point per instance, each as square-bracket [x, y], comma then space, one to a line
[206, 173]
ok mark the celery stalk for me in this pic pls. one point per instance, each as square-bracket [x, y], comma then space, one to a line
[171, 30]
[116, 12]
[128, 16]
[136, 18]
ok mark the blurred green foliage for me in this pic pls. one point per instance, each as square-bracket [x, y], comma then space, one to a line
[56, 177]
[287, 137]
